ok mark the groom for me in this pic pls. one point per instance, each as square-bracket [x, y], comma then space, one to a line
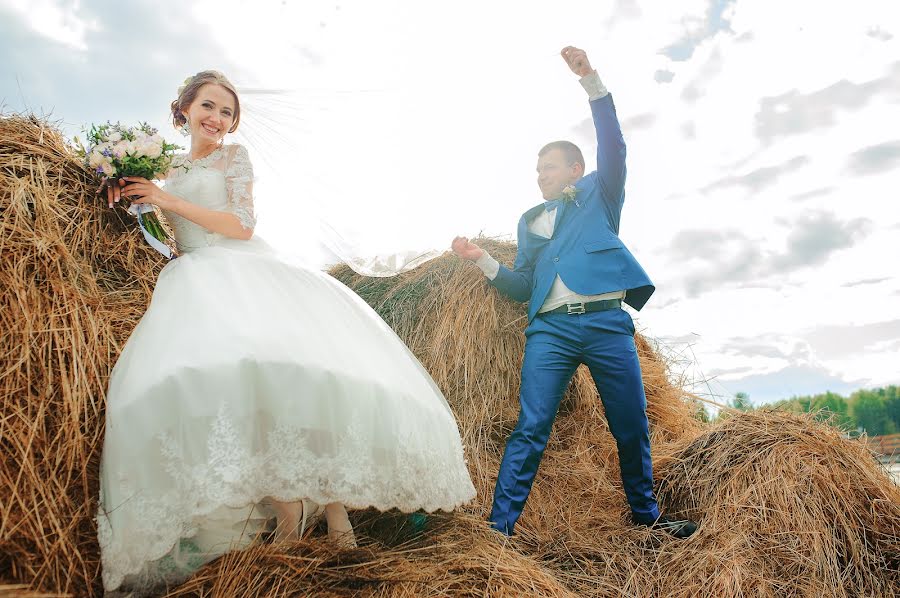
[575, 273]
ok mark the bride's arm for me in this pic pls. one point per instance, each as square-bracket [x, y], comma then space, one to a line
[237, 222]
[224, 223]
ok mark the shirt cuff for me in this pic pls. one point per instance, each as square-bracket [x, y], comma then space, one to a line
[488, 265]
[593, 86]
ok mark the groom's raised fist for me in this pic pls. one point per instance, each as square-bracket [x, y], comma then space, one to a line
[577, 60]
[465, 249]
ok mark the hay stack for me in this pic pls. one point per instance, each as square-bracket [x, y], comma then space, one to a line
[789, 507]
[75, 278]
[72, 287]
[454, 556]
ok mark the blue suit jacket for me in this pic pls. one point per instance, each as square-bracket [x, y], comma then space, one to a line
[585, 249]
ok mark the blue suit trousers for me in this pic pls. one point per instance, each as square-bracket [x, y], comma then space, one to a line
[555, 345]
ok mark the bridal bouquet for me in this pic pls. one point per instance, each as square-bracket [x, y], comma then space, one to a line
[116, 152]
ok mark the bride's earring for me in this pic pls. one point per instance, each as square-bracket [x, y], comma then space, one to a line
[186, 129]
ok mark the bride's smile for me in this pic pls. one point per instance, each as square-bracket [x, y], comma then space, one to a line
[209, 117]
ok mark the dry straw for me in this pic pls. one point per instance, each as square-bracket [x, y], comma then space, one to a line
[787, 506]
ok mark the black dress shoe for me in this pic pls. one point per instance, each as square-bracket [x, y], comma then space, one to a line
[680, 528]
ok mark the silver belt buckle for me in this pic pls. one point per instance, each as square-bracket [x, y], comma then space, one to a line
[574, 309]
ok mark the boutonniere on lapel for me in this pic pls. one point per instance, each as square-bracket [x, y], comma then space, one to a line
[568, 194]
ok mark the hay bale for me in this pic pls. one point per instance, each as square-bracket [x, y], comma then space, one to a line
[75, 278]
[454, 556]
[789, 507]
[73, 285]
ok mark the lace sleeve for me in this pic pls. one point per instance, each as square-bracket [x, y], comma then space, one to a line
[239, 184]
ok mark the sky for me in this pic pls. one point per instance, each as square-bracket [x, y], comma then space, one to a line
[763, 144]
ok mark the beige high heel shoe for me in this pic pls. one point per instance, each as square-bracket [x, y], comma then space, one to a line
[293, 515]
[339, 529]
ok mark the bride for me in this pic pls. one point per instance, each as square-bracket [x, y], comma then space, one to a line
[252, 387]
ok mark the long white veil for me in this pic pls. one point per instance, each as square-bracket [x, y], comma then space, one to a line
[378, 153]
[313, 204]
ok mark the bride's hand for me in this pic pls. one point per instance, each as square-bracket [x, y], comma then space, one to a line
[140, 190]
[113, 188]
[465, 249]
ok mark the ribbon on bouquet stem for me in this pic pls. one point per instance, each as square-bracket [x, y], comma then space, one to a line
[139, 209]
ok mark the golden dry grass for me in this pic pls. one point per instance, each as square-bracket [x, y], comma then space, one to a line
[72, 287]
[787, 506]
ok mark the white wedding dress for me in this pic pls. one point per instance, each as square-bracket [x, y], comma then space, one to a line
[251, 377]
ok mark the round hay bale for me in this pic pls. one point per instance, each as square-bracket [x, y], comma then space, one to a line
[790, 507]
[73, 285]
[786, 505]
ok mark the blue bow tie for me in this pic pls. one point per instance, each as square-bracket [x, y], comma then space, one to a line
[552, 204]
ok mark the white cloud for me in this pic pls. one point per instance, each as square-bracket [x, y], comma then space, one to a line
[58, 21]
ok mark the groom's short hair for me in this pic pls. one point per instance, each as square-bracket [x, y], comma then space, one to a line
[570, 151]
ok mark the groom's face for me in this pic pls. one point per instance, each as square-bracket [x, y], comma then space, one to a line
[555, 172]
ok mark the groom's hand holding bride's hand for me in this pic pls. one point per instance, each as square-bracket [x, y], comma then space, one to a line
[465, 249]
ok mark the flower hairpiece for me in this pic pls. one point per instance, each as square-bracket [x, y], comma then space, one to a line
[184, 85]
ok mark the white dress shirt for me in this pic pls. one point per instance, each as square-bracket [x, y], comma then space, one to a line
[543, 224]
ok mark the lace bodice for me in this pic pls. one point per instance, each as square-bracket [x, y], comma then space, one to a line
[221, 181]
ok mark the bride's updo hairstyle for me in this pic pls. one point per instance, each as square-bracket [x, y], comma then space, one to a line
[187, 93]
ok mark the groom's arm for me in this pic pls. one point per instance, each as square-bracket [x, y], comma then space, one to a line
[516, 282]
[611, 170]
[610, 143]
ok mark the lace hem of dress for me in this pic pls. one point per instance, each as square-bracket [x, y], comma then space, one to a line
[430, 478]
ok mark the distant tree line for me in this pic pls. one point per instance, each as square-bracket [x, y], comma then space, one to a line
[873, 411]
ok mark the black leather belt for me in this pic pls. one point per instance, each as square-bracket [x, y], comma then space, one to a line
[574, 309]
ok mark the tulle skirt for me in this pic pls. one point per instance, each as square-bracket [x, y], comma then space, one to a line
[253, 377]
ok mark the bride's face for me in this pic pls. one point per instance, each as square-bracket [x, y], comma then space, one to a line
[211, 114]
